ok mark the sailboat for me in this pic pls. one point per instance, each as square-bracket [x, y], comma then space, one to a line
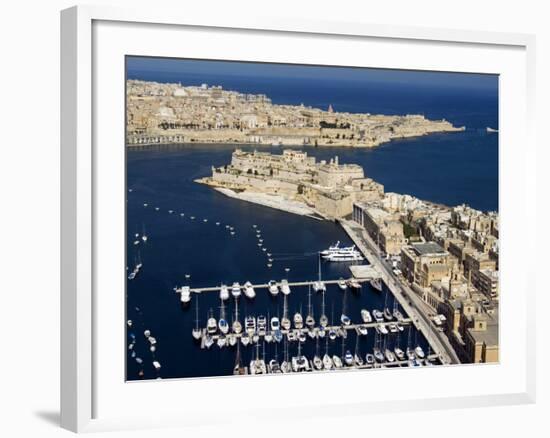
[317, 361]
[237, 326]
[357, 356]
[344, 319]
[285, 365]
[387, 314]
[331, 332]
[273, 288]
[323, 320]
[222, 322]
[249, 290]
[299, 362]
[211, 323]
[274, 366]
[285, 288]
[298, 320]
[196, 330]
[376, 283]
[285, 322]
[144, 236]
[327, 361]
[410, 350]
[238, 369]
[319, 286]
[310, 321]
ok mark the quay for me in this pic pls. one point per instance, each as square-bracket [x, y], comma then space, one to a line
[373, 275]
[408, 300]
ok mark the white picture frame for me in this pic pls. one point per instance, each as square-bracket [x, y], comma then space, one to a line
[84, 370]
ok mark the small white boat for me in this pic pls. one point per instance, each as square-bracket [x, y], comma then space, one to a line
[145, 204]
[400, 354]
[302, 337]
[369, 358]
[170, 211]
[323, 321]
[387, 314]
[245, 339]
[378, 315]
[419, 352]
[298, 320]
[262, 325]
[272, 286]
[337, 362]
[236, 290]
[317, 362]
[358, 360]
[382, 329]
[285, 323]
[250, 324]
[249, 290]
[268, 337]
[321, 332]
[208, 341]
[221, 341]
[319, 286]
[232, 340]
[136, 242]
[274, 324]
[223, 326]
[285, 288]
[332, 334]
[348, 358]
[342, 284]
[156, 364]
[274, 366]
[224, 292]
[378, 354]
[363, 330]
[185, 294]
[327, 362]
[211, 325]
[366, 316]
[393, 328]
[344, 319]
[389, 355]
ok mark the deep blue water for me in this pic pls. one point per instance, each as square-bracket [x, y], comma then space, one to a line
[447, 168]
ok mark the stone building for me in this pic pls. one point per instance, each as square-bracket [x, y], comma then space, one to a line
[423, 263]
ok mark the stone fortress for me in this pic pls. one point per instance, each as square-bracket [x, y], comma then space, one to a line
[330, 189]
[159, 113]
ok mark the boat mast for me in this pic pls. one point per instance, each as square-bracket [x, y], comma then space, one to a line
[309, 301]
[197, 314]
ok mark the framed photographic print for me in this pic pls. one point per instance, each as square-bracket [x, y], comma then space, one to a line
[314, 210]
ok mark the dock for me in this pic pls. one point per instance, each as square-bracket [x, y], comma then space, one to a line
[200, 290]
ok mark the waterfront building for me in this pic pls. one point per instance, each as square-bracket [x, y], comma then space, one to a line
[487, 282]
[423, 263]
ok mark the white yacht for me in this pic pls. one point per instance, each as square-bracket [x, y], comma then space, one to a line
[285, 288]
[249, 290]
[224, 292]
[273, 288]
[349, 254]
[366, 316]
[236, 290]
[331, 249]
[344, 319]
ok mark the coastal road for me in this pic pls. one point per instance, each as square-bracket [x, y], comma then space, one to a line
[409, 300]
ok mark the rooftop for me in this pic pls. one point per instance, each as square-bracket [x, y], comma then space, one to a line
[427, 248]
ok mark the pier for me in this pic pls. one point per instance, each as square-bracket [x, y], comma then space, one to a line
[373, 275]
[341, 330]
[407, 298]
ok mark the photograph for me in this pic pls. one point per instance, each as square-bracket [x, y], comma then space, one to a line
[293, 218]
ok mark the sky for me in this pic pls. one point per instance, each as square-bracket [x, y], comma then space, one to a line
[194, 68]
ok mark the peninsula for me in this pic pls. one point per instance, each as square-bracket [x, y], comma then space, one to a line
[163, 113]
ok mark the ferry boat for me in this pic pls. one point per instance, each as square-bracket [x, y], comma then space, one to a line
[349, 254]
[273, 288]
[366, 316]
[224, 292]
[249, 290]
[285, 288]
[236, 290]
[376, 283]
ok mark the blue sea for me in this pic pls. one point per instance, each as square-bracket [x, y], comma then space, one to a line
[451, 169]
